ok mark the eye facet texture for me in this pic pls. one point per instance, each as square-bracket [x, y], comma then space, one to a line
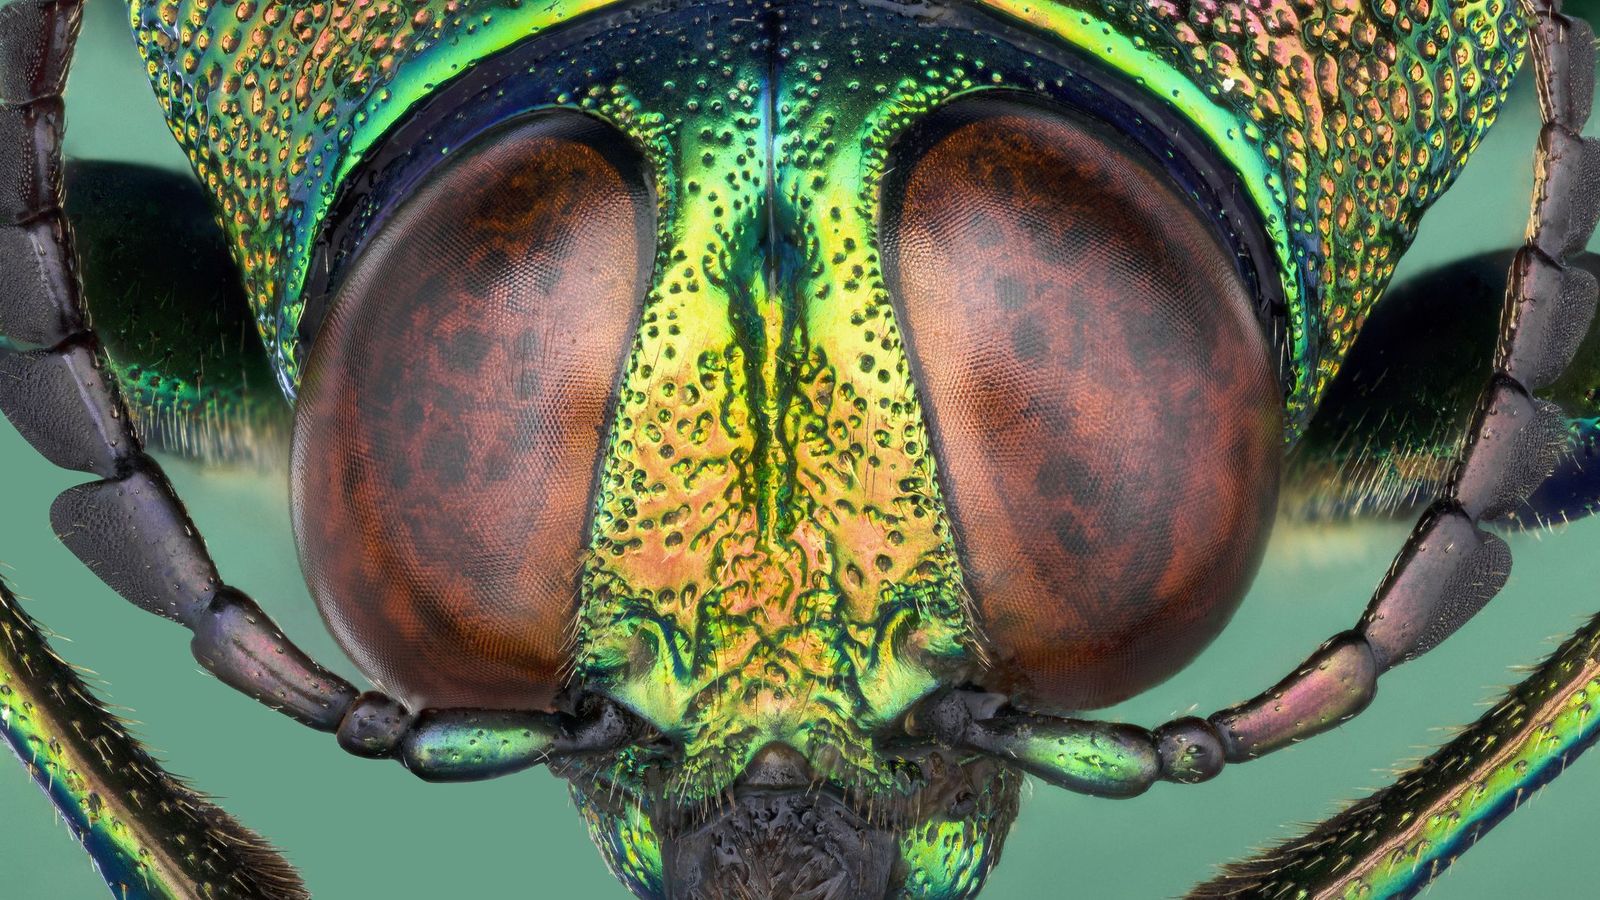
[1106, 409]
[455, 401]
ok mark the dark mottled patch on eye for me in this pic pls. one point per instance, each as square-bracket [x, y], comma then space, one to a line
[1063, 475]
[1069, 535]
[446, 455]
[486, 274]
[464, 350]
[1010, 292]
[1027, 342]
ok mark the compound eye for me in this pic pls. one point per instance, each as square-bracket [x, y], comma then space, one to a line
[1105, 405]
[452, 411]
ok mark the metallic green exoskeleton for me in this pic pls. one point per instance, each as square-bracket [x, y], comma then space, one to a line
[782, 664]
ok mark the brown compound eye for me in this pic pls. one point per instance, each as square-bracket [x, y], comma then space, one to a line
[453, 407]
[1103, 397]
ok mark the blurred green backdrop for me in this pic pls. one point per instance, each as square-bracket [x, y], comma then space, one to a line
[334, 815]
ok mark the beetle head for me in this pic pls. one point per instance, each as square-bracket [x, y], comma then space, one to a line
[766, 404]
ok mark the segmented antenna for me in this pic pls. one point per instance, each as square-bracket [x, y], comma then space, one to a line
[129, 527]
[1448, 569]
[141, 825]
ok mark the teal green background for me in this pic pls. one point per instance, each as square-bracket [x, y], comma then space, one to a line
[363, 829]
